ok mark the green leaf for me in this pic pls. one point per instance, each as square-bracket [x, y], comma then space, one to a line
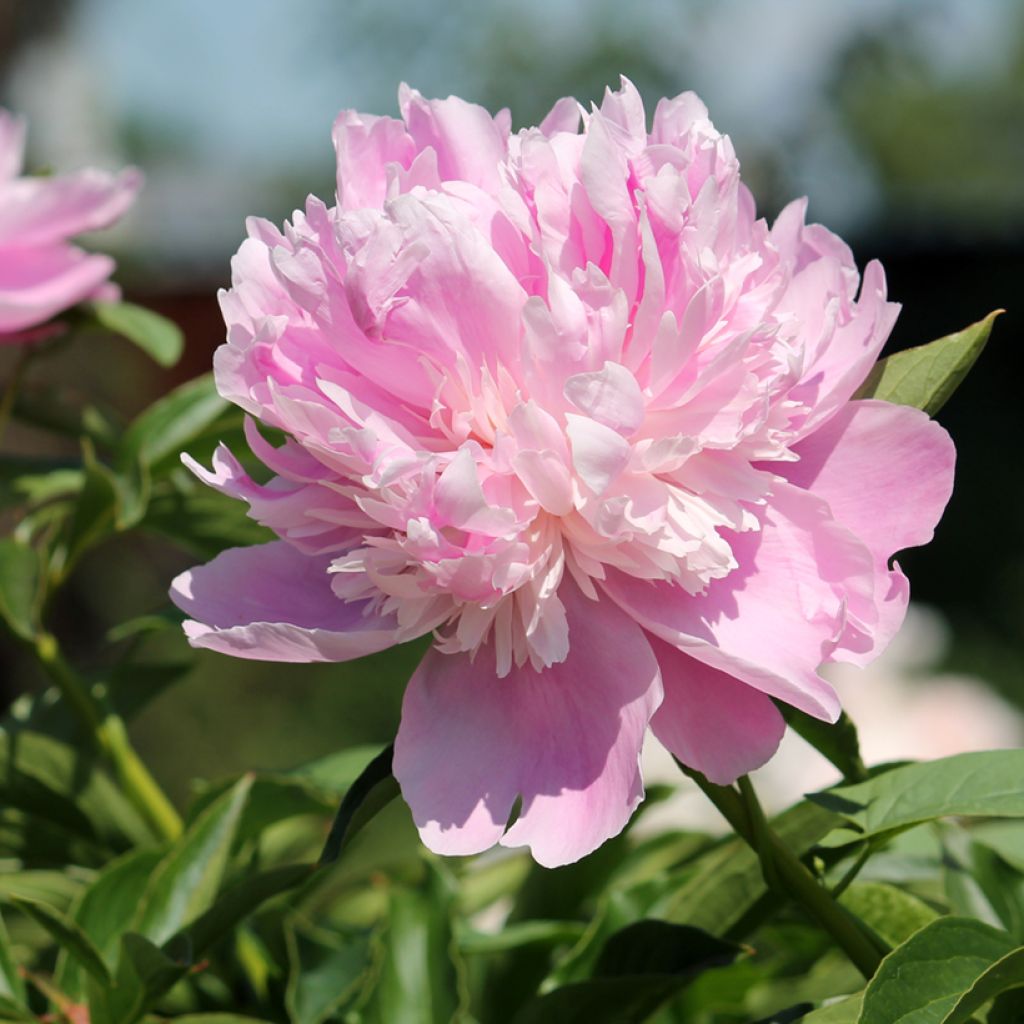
[272, 798]
[418, 978]
[107, 908]
[69, 936]
[836, 742]
[160, 338]
[942, 974]
[986, 783]
[144, 974]
[326, 973]
[96, 509]
[235, 904]
[55, 785]
[11, 984]
[217, 1018]
[639, 969]
[843, 1011]
[12, 1011]
[186, 881]
[374, 789]
[894, 914]
[926, 377]
[519, 934]
[20, 587]
[172, 421]
[721, 886]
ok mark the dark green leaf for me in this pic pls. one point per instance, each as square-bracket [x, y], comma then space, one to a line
[522, 933]
[185, 883]
[837, 742]
[144, 974]
[986, 783]
[942, 974]
[375, 788]
[158, 337]
[639, 969]
[11, 985]
[107, 908]
[326, 972]
[63, 787]
[20, 587]
[15, 1011]
[69, 936]
[96, 510]
[926, 377]
[217, 1018]
[721, 886]
[418, 980]
[235, 904]
[272, 798]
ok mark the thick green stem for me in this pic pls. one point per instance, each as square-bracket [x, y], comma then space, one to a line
[785, 873]
[111, 738]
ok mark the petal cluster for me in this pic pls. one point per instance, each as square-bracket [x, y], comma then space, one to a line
[560, 398]
[41, 272]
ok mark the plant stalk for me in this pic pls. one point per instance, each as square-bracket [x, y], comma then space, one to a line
[785, 873]
[111, 737]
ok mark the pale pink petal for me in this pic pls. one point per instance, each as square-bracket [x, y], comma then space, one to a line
[710, 720]
[469, 143]
[44, 211]
[773, 620]
[886, 472]
[599, 454]
[567, 740]
[273, 603]
[611, 396]
[37, 284]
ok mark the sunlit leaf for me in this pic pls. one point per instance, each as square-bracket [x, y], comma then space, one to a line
[942, 974]
[161, 339]
[185, 883]
[926, 377]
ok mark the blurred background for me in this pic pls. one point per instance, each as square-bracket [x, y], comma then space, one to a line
[902, 120]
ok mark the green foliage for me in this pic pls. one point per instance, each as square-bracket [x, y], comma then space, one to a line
[157, 336]
[984, 783]
[926, 377]
[943, 974]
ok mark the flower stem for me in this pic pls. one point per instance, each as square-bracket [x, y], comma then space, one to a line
[785, 873]
[111, 737]
[10, 392]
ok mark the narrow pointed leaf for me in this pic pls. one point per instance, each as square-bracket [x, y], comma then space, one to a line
[640, 968]
[926, 377]
[837, 742]
[161, 339]
[69, 936]
[375, 788]
[11, 984]
[185, 883]
[20, 581]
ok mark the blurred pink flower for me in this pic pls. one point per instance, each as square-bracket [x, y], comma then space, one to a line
[562, 400]
[41, 273]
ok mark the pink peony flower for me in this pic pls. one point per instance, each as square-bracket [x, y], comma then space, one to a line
[41, 273]
[560, 399]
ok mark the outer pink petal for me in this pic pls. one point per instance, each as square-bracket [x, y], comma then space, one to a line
[710, 720]
[774, 619]
[566, 739]
[470, 144]
[41, 211]
[37, 284]
[886, 472]
[272, 603]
